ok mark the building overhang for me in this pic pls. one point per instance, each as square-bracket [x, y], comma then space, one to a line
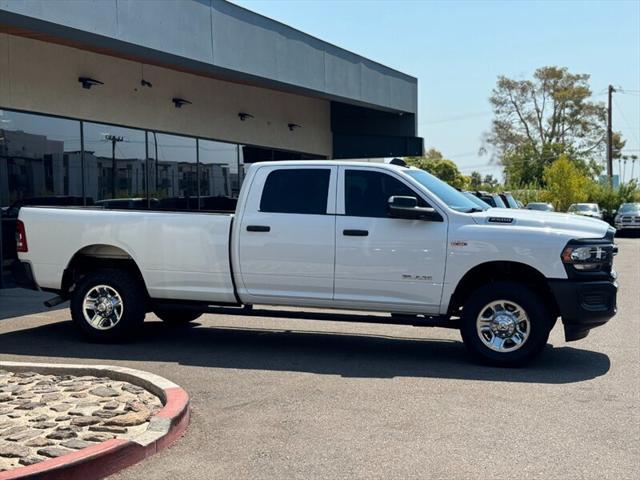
[218, 39]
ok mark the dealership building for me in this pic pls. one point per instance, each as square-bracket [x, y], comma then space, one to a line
[164, 104]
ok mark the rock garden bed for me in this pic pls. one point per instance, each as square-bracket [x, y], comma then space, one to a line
[46, 416]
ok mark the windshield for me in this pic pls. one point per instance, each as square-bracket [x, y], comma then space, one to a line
[630, 207]
[510, 200]
[499, 202]
[586, 207]
[539, 206]
[445, 192]
[476, 200]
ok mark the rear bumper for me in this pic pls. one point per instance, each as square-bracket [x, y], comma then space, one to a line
[23, 275]
[584, 305]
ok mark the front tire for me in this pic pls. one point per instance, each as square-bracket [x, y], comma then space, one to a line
[505, 324]
[108, 305]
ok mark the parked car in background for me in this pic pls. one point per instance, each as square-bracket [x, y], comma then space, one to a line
[127, 203]
[493, 199]
[586, 209]
[541, 206]
[628, 216]
[481, 203]
[508, 200]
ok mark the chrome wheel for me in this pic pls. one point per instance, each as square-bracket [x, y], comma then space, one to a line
[102, 307]
[503, 326]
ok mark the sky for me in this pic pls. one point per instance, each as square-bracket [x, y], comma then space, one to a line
[457, 49]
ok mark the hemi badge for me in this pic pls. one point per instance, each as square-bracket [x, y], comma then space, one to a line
[458, 243]
[500, 220]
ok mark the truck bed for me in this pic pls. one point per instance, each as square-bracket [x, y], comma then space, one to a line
[180, 255]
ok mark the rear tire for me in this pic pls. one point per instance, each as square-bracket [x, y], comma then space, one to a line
[176, 316]
[109, 305]
[505, 324]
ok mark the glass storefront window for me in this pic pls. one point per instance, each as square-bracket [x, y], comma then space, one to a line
[39, 157]
[173, 172]
[115, 166]
[219, 166]
[40, 164]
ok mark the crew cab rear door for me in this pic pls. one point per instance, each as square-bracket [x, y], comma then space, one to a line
[286, 235]
[385, 263]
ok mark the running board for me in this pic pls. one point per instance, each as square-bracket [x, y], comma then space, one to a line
[412, 320]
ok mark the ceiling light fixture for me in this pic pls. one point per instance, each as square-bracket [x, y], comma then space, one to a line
[293, 126]
[89, 82]
[243, 116]
[179, 102]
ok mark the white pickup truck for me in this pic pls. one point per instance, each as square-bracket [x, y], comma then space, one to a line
[329, 234]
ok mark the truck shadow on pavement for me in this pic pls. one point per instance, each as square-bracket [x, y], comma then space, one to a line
[328, 353]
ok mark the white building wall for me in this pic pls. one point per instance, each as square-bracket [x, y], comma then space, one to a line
[43, 77]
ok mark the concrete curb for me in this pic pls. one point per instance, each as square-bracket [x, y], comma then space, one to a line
[101, 460]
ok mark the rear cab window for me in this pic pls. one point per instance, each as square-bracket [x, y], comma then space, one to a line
[296, 190]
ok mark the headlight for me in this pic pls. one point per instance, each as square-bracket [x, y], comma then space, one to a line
[588, 257]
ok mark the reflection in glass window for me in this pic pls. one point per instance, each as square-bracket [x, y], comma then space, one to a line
[39, 159]
[219, 179]
[173, 172]
[115, 166]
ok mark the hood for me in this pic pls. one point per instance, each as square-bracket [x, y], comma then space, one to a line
[579, 226]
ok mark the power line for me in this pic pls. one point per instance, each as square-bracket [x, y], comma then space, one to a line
[635, 132]
[462, 116]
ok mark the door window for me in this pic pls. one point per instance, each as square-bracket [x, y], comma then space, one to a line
[367, 193]
[300, 190]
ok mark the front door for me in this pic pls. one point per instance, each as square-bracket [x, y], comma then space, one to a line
[385, 263]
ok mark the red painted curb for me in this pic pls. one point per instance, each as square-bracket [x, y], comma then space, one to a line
[101, 460]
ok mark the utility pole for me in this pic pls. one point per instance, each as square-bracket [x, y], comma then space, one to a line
[113, 139]
[610, 137]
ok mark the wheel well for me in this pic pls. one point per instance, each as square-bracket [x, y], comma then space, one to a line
[94, 257]
[500, 271]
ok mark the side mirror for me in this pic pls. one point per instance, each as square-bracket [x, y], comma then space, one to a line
[407, 208]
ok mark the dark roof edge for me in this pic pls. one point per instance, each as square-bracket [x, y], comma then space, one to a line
[333, 45]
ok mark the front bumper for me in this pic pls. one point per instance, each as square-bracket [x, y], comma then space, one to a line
[584, 305]
[627, 226]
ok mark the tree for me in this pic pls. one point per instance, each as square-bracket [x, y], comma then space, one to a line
[435, 163]
[538, 120]
[475, 180]
[490, 181]
[566, 184]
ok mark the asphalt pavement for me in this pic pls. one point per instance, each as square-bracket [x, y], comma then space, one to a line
[294, 395]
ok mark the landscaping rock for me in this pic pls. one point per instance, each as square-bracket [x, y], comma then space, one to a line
[97, 437]
[104, 392]
[53, 452]
[30, 460]
[62, 435]
[39, 442]
[13, 450]
[129, 419]
[76, 444]
[85, 421]
[102, 428]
